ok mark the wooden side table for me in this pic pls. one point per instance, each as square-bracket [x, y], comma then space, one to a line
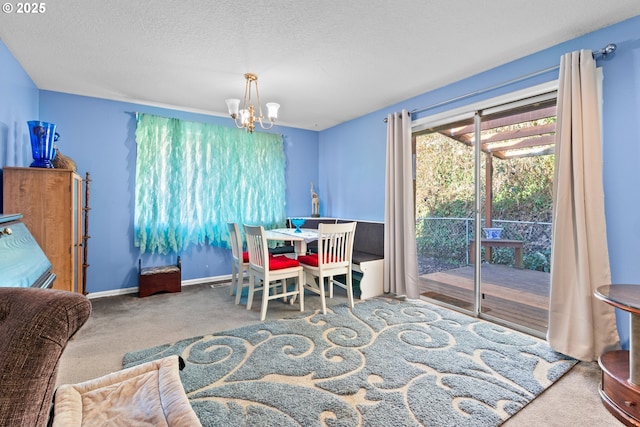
[620, 388]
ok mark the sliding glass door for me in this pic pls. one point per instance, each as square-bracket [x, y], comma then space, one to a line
[483, 211]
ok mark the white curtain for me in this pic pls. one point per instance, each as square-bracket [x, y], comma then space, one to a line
[580, 325]
[400, 258]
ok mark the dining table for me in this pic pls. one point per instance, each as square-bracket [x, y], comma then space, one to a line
[299, 238]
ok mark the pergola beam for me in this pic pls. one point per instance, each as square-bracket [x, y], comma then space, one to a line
[510, 120]
[518, 145]
[520, 133]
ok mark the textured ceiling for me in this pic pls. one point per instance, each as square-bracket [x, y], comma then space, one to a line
[325, 62]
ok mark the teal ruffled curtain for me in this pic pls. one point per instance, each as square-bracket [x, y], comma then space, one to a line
[192, 178]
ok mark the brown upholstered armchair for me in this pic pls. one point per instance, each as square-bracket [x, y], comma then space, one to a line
[35, 326]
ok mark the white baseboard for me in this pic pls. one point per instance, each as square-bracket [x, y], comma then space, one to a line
[133, 290]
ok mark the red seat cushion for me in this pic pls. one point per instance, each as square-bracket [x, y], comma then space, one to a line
[313, 259]
[309, 259]
[281, 262]
[245, 256]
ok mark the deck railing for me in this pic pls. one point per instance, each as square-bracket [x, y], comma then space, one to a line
[448, 239]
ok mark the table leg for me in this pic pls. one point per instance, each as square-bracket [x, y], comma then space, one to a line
[300, 247]
[518, 255]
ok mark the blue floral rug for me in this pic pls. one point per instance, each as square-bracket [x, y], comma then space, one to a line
[384, 363]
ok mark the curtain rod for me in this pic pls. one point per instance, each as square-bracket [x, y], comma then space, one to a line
[604, 52]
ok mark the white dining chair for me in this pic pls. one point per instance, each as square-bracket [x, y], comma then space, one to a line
[240, 261]
[334, 257]
[271, 271]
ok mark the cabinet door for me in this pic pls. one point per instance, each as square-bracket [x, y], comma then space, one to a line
[48, 199]
[76, 224]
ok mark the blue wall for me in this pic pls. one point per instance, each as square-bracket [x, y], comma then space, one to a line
[18, 104]
[100, 136]
[359, 192]
[349, 173]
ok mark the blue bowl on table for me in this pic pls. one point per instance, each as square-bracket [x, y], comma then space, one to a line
[297, 222]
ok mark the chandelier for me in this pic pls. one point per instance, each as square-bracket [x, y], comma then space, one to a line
[245, 117]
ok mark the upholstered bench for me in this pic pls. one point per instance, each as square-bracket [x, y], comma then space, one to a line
[368, 257]
[166, 278]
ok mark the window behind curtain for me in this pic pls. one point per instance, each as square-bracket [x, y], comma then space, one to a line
[192, 178]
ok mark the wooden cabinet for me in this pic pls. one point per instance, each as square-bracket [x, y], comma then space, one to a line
[50, 201]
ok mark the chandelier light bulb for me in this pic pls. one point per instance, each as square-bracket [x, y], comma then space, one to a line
[244, 117]
[272, 110]
[233, 105]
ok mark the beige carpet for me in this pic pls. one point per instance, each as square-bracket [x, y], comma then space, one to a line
[126, 323]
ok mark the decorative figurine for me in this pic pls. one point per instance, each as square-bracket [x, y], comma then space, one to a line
[315, 203]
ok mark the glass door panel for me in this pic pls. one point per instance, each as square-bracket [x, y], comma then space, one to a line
[517, 146]
[444, 213]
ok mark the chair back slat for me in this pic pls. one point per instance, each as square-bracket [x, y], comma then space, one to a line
[257, 246]
[335, 244]
[236, 240]
[239, 264]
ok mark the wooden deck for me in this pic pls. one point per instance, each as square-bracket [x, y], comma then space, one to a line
[515, 295]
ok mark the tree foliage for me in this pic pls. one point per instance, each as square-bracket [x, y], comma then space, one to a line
[445, 182]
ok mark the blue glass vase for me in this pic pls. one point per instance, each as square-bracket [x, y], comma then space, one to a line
[42, 135]
[297, 222]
